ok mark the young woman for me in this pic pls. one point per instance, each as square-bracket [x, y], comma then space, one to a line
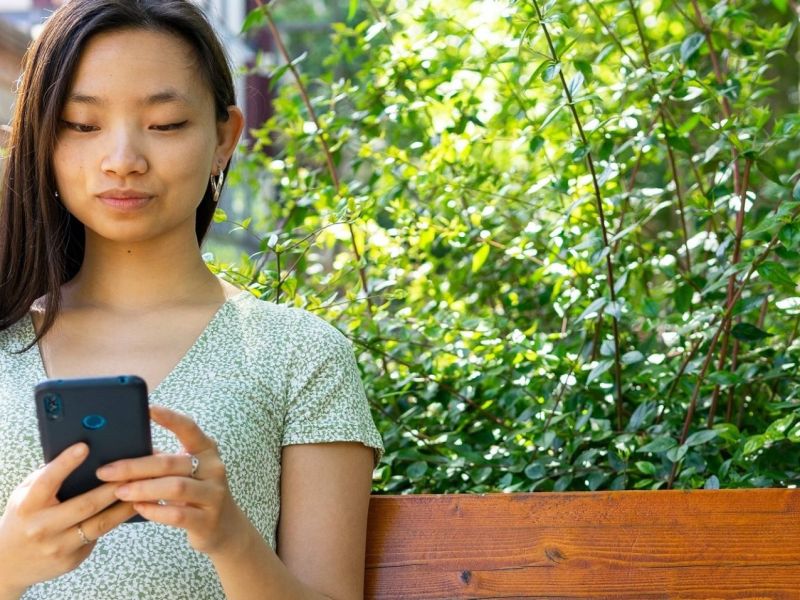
[124, 127]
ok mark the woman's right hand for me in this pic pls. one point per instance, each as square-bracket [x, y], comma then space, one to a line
[40, 537]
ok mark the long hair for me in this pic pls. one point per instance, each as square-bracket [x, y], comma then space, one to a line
[41, 243]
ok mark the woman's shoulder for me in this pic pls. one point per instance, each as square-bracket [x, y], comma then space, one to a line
[285, 322]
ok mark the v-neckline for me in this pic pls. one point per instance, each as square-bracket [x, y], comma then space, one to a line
[185, 357]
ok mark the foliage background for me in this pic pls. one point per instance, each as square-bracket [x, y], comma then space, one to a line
[562, 235]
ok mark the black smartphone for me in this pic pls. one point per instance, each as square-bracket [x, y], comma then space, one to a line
[109, 414]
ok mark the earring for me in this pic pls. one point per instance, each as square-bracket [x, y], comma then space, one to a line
[216, 184]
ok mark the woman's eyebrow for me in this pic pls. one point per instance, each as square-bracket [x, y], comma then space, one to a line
[168, 96]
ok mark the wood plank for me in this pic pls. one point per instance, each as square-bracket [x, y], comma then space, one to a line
[630, 545]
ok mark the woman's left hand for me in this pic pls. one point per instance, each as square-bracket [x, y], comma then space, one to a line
[175, 490]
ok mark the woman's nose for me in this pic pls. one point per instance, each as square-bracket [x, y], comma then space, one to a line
[124, 156]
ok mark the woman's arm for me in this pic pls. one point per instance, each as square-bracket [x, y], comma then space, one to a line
[321, 534]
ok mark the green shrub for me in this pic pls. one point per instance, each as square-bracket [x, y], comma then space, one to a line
[563, 237]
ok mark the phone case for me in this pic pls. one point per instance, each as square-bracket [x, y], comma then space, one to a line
[110, 414]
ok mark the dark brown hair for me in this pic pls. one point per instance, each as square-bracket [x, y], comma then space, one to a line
[41, 244]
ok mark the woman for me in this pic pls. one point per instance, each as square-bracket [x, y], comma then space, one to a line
[124, 127]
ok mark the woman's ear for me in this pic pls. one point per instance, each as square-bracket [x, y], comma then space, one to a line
[228, 134]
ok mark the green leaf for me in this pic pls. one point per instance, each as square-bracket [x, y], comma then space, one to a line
[220, 216]
[633, 357]
[691, 45]
[794, 434]
[776, 273]
[746, 332]
[254, 19]
[789, 235]
[796, 191]
[769, 170]
[479, 258]
[575, 84]
[659, 444]
[700, 437]
[712, 483]
[724, 378]
[753, 444]
[643, 413]
[351, 12]
[777, 430]
[781, 5]
[536, 144]
[727, 431]
[482, 474]
[679, 142]
[417, 469]
[677, 453]
[599, 369]
[646, 467]
[683, 298]
[689, 124]
[275, 76]
[562, 483]
[593, 308]
[551, 72]
[535, 471]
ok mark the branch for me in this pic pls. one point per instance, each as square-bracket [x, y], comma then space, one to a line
[600, 212]
[737, 247]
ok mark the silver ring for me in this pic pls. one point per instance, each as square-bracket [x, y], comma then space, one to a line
[84, 540]
[195, 466]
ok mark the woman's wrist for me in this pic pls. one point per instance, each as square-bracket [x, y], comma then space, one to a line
[240, 543]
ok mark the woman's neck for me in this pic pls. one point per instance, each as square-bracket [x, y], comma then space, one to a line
[142, 276]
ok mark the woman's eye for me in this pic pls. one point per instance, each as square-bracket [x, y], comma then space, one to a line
[170, 127]
[79, 127]
[83, 128]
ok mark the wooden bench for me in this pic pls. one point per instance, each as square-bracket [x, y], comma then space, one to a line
[632, 545]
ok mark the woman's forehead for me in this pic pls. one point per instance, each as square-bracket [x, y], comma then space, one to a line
[138, 66]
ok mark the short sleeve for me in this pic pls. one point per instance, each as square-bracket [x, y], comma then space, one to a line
[325, 397]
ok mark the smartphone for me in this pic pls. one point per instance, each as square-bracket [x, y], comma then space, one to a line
[109, 414]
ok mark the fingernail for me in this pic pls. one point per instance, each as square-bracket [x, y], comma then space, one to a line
[106, 471]
[123, 492]
[78, 450]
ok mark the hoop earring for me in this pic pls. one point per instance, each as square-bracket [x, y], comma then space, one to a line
[216, 186]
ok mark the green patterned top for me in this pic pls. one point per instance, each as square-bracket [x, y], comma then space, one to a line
[261, 376]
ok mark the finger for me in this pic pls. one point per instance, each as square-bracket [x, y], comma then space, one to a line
[78, 509]
[159, 465]
[103, 522]
[45, 486]
[185, 517]
[171, 489]
[185, 429]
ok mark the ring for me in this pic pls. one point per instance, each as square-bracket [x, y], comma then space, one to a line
[84, 540]
[162, 502]
[195, 466]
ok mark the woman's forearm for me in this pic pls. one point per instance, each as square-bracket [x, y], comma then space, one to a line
[253, 571]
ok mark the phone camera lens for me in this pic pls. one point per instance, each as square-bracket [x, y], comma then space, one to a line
[52, 407]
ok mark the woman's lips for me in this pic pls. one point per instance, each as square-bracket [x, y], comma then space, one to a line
[125, 204]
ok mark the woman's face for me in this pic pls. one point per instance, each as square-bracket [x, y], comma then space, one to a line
[138, 138]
